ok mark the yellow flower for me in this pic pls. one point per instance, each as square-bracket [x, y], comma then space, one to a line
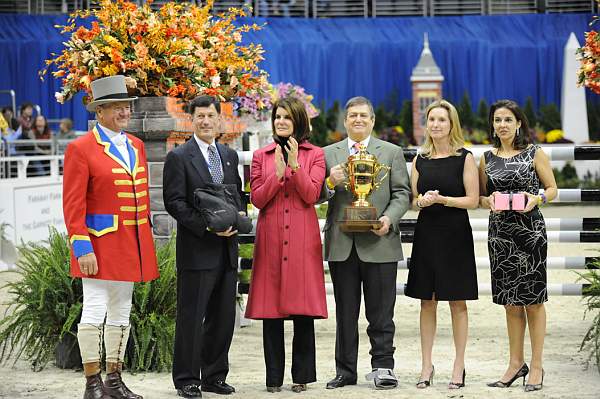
[112, 42]
[554, 135]
[110, 70]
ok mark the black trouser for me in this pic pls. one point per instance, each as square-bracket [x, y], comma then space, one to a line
[379, 286]
[304, 369]
[204, 327]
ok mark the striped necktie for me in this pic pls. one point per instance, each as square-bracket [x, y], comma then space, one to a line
[214, 165]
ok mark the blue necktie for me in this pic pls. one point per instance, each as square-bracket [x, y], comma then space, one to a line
[214, 165]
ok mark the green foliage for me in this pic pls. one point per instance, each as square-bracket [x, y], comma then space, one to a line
[567, 178]
[529, 112]
[591, 296]
[394, 135]
[322, 211]
[44, 305]
[324, 124]
[153, 316]
[383, 118]
[590, 181]
[465, 112]
[331, 119]
[562, 182]
[319, 128]
[386, 114]
[406, 120]
[549, 117]
[246, 251]
[481, 121]
[593, 113]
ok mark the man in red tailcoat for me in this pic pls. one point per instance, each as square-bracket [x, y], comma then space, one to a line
[107, 214]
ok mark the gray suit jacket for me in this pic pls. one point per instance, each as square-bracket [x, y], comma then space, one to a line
[391, 199]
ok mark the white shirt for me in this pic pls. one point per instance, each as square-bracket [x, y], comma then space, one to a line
[351, 143]
[119, 139]
[204, 150]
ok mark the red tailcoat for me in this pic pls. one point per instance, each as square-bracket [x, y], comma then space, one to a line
[287, 270]
[106, 208]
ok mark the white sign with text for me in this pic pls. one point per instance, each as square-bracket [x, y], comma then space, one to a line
[36, 209]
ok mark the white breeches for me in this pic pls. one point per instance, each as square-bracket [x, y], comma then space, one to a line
[106, 299]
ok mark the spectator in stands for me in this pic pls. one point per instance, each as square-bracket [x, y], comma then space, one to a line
[26, 117]
[9, 117]
[39, 131]
[8, 135]
[65, 129]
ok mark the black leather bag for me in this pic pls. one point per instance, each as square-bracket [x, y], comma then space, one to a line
[219, 205]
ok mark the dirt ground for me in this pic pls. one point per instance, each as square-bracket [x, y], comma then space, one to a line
[487, 350]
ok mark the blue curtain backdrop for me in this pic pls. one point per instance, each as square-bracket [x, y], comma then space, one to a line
[490, 57]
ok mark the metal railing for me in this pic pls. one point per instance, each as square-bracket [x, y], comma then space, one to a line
[20, 167]
[31, 158]
[335, 8]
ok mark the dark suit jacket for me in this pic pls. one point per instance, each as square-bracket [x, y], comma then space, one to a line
[186, 170]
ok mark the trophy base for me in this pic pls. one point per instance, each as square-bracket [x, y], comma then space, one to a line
[359, 219]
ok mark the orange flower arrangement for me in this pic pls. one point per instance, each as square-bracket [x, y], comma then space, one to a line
[589, 56]
[181, 50]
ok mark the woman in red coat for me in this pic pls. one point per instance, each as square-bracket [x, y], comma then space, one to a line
[287, 273]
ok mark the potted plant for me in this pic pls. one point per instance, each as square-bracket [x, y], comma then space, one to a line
[591, 295]
[45, 307]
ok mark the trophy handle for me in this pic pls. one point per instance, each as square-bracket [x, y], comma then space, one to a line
[378, 168]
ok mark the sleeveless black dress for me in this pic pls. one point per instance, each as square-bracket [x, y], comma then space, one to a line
[517, 242]
[443, 257]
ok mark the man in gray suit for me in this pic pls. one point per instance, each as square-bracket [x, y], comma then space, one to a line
[368, 258]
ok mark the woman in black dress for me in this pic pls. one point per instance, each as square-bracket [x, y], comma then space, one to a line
[517, 242]
[442, 268]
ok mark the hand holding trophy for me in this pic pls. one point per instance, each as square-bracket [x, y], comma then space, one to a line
[362, 170]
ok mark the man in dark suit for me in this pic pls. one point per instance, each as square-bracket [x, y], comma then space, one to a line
[366, 261]
[206, 260]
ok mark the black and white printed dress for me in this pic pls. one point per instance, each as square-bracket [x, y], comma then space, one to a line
[517, 242]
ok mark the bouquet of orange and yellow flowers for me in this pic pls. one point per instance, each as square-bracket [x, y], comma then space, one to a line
[588, 74]
[181, 50]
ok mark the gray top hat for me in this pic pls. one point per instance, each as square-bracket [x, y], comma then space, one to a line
[108, 90]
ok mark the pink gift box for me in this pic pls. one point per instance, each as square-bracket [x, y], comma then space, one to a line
[501, 201]
[517, 202]
[509, 202]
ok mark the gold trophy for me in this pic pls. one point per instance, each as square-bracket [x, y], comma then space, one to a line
[362, 170]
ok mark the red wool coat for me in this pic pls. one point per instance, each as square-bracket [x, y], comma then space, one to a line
[107, 210]
[287, 271]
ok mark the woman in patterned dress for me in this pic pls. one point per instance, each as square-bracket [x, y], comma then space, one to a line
[517, 242]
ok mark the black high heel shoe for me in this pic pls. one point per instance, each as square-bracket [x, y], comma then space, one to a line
[428, 382]
[523, 371]
[535, 387]
[457, 385]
